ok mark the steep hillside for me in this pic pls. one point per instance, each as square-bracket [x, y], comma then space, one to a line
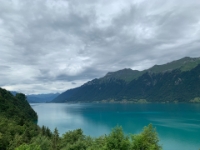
[17, 120]
[15, 106]
[172, 86]
[95, 90]
[177, 81]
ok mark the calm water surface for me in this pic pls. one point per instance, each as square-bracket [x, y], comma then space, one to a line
[178, 125]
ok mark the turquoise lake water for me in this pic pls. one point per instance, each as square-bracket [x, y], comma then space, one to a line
[178, 125]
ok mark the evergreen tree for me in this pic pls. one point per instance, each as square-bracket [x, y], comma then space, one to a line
[55, 139]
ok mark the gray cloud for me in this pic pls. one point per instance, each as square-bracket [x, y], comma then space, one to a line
[51, 46]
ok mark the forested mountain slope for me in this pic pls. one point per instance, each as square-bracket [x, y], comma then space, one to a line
[177, 81]
[16, 120]
[16, 106]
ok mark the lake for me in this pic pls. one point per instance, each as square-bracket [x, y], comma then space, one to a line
[178, 125]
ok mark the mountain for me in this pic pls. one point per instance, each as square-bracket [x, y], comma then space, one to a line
[41, 98]
[176, 81]
[38, 98]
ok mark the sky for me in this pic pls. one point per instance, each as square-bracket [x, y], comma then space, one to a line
[49, 46]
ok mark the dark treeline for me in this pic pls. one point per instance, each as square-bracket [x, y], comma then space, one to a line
[19, 132]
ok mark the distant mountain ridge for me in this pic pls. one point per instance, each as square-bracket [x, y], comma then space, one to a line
[39, 98]
[176, 81]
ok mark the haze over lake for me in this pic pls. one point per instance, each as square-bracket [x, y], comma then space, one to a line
[178, 125]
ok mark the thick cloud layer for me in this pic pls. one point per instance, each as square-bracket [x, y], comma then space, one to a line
[53, 45]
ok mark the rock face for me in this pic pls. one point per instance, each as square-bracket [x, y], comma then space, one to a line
[177, 81]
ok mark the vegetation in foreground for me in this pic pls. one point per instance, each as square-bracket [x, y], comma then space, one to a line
[19, 132]
[43, 139]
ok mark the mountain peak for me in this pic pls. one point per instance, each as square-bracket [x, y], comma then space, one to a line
[126, 74]
[184, 64]
[125, 70]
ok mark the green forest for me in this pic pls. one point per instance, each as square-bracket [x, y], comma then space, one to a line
[19, 131]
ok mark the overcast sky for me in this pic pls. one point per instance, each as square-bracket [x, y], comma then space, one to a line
[54, 45]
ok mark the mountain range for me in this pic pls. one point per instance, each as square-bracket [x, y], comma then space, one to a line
[39, 98]
[176, 81]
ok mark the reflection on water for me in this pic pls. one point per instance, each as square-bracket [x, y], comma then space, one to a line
[178, 125]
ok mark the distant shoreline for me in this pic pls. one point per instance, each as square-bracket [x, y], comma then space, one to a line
[125, 102]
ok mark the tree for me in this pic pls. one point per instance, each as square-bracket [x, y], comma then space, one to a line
[98, 143]
[43, 141]
[116, 140]
[72, 137]
[46, 131]
[147, 140]
[21, 96]
[55, 139]
[28, 147]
